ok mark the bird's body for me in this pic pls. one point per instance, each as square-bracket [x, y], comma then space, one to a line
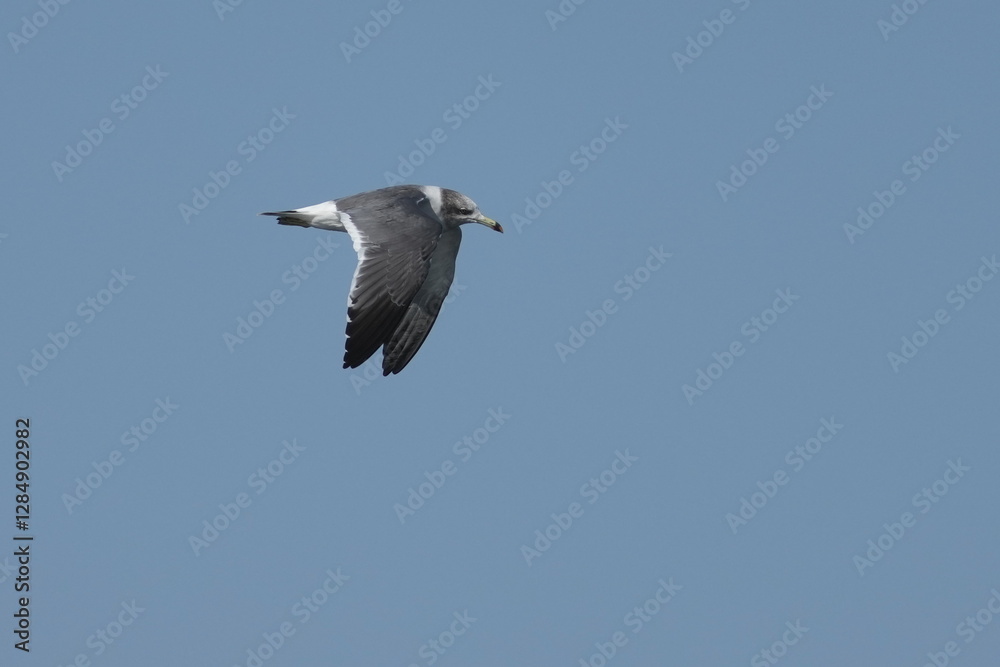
[406, 238]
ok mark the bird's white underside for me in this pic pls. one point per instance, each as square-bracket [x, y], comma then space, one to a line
[358, 238]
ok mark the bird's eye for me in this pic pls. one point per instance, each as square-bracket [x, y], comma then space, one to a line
[465, 211]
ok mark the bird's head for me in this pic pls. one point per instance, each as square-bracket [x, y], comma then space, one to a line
[457, 209]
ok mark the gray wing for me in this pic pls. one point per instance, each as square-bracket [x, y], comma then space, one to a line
[423, 309]
[394, 243]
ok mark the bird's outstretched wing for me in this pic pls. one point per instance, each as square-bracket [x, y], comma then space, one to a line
[394, 244]
[425, 306]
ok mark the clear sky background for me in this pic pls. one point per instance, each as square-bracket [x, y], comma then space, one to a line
[748, 427]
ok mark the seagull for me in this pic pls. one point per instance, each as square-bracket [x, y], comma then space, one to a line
[406, 238]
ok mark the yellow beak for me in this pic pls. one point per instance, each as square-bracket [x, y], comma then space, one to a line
[491, 223]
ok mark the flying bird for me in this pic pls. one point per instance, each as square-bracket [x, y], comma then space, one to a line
[406, 238]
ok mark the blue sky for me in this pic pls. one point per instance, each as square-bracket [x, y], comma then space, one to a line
[721, 393]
